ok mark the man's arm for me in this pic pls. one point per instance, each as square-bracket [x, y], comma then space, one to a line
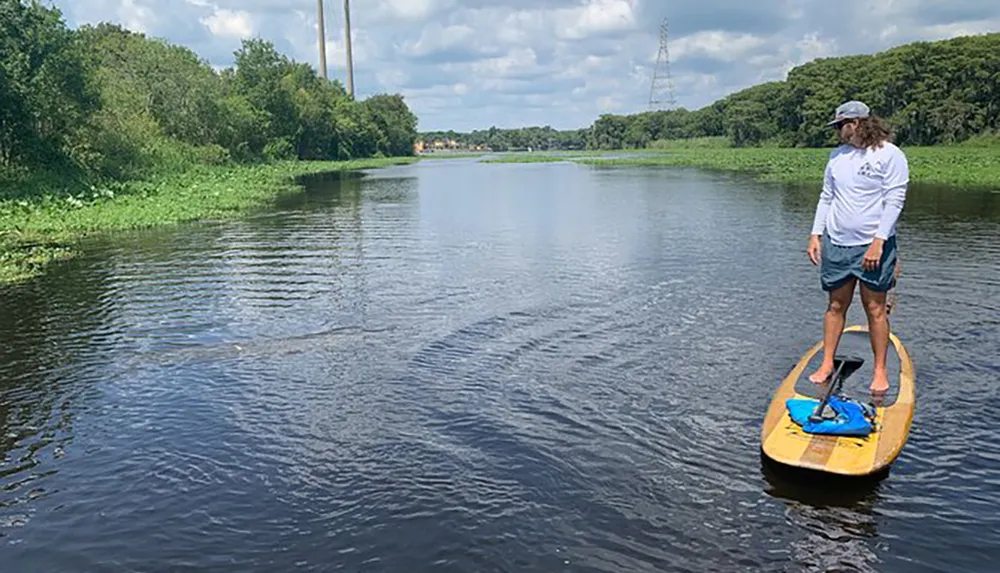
[894, 183]
[823, 205]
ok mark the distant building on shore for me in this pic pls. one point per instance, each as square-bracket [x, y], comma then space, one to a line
[437, 145]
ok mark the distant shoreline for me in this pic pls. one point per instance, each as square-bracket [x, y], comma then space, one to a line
[954, 165]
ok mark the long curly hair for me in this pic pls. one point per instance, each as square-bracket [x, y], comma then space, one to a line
[872, 131]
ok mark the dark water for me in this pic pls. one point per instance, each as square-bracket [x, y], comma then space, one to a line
[464, 367]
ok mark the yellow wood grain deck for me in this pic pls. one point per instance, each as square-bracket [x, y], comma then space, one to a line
[784, 441]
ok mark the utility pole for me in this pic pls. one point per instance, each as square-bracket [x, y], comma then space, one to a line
[347, 43]
[322, 39]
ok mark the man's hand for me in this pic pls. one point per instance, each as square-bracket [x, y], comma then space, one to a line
[873, 255]
[814, 249]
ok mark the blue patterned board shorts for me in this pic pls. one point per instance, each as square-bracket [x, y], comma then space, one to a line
[840, 263]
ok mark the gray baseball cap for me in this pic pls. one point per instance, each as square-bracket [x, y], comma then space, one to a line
[850, 110]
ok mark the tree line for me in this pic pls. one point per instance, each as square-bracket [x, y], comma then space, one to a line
[931, 93]
[111, 103]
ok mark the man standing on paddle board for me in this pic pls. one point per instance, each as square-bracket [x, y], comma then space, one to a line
[854, 231]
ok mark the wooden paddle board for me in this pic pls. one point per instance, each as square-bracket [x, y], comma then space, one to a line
[784, 441]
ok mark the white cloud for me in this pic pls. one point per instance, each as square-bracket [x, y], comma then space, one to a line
[775, 65]
[229, 23]
[517, 60]
[944, 31]
[407, 9]
[608, 103]
[435, 38]
[135, 16]
[595, 17]
[585, 67]
[717, 44]
[520, 26]
[392, 78]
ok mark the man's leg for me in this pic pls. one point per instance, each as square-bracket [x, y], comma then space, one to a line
[891, 297]
[833, 326]
[878, 328]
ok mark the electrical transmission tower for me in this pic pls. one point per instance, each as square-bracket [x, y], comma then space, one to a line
[661, 91]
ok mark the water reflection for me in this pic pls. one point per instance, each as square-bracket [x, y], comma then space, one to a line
[836, 516]
[45, 361]
[490, 367]
[927, 206]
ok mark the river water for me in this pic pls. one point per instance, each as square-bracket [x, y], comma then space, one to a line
[455, 366]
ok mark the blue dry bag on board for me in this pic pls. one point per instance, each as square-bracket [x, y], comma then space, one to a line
[852, 417]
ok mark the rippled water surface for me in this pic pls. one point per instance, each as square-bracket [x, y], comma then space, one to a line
[455, 366]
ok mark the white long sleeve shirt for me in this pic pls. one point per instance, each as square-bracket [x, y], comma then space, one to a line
[863, 194]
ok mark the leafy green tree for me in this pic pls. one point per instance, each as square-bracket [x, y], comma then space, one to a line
[395, 121]
[110, 103]
[45, 92]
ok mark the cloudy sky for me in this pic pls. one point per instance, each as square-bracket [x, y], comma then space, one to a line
[470, 64]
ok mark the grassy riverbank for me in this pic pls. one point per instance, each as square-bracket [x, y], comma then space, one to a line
[37, 228]
[960, 166]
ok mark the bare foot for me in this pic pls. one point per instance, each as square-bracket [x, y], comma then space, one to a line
[880, 383]
[821, 374]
